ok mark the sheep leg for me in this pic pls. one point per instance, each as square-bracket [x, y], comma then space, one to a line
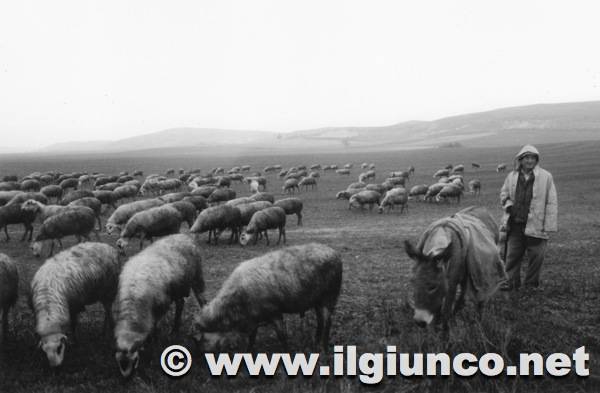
[279, 238]
[327, 327]
[109, 323]
[141, 241]
[209, 235]
[299, 219]
[4, 327]
[279, 326]
[178, 312]
[99, 223]
[51, 248]
[59, 243]
[251, 338]
[256, 237]
[6, 232]
[267, 236]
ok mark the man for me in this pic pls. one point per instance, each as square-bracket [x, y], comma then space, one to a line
[528, 198]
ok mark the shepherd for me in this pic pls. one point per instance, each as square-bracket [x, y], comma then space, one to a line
[456, 251]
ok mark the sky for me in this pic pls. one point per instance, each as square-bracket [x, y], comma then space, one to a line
[90, 70]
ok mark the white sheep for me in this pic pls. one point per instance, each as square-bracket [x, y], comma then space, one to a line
[124, 212]
[147, 224]
[150, 281]
[61, 288]
[287, 281]
[395, 196]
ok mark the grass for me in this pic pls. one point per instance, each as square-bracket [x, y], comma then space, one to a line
[371, 312]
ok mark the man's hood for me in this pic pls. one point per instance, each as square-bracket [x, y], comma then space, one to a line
[527, 149]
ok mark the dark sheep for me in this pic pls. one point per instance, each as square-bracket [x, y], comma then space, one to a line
[52, 191]
[187, 211]
[204, 191]
[291, 206]
[77, 221]
[273, 217]
[221, 195]
[14, 214]
[216, 219]
[69, 183]
[198, 201]
[247, 210]
[92, 203]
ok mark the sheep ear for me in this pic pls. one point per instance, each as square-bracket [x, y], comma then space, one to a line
[410, 250]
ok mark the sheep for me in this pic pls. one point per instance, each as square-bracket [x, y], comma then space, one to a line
[248, 209]
[216, 219]
[170, 172]
[419, 189]
[102, 180]
[10, 178]
[289, 186]
[9, 291]
[138, 173]
[315, 167]
[198, 201]
[261, 180]
[365, 197]
[125, 178]
[133, 182]
[441, 172]
[475, 187]
[238, 201]
[254, 186]
[24, 196]
[291, 280]
[308, 181]
[346, 194]
[246, 168]
[224, 181]
[155, 222]
[124, 212]
[238, 177]
[458, 169]
[85, 182]
[9, 186]
[343, 171]
[52, 191]
[106, 197]
[293, 175]
[6, 196]
[269, 168]
[372, 166]
[395, 196]
[69, 183]
[30, 185]
[501, 167]
[273, 217]
[376, 187]
[449, 191]
[475, 165]
[433, 190]
[14, 214]
[204, 191]
[92, 203]
[357, 185]
[150, 281]
[399, 174]
[174, 196]
[187, 211]
[42, 211]
[314, 174]
[82, 275]
[262, 196]
[396, 181]
[78, 221]
[109, 186]
[221, 195]
[74, 195]
[364, 165]
[125, 191]
[291, 206]
[348, 166]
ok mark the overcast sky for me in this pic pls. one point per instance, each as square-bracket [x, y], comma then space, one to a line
[81, 70]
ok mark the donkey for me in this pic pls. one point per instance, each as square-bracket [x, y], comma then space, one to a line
[455, 254]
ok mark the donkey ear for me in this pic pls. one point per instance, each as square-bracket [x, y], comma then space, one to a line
[443, 255]
[410, 250]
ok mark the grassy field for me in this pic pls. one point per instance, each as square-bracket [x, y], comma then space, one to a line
[371, 314]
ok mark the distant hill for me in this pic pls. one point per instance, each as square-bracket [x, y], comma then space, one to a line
[541, 123]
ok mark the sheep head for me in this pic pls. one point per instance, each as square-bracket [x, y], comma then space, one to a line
[54, 345]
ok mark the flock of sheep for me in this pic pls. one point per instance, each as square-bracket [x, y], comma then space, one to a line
[138, 292]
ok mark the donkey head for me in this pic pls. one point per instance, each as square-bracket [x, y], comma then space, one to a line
[429, 280]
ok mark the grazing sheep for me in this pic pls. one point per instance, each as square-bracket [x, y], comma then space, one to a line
[52, 191]
[458, 169]
[442, 172]
[365, 197]
[170, 185]
[106, 197]
[138, 173]
[247, 210]
[293, 175]
[239, 201]
[343, 171]
[155, 222]
[348, 166]
[6, 196]
[396, 181]
[308, 181]
[109, 186]
[269, 168]
[357, 185]
[42, 211]
[124, 212]
[216, 219]
[204, 191]
[9, 291]
[346, 194]
[269, 218]
[74, 195]
[85, 182]
[187, 211]
[198, 201]
[475, 187]
[78, 221]
[364, 165]
[102, 180]
[69, 183]
[501, 167]
[376, 187]
[289, 186]
[30, 185]
[371, 166]
[174, 196]
[82, 275]
[224, 181]
[9, 186]
[125, 192]
[450, 190]
[395, 196]
[433, 190]
[24, 196]
[246, 168]
[92, 203]
[315, 167]
[150, 281]
[10, 178]
[291, 206]
[260, 290]
[125, 178]
[14, 214]
[262, 196]
[314, 174]
[475, 165]
[419, 189]
[399, 174]
[221, 195]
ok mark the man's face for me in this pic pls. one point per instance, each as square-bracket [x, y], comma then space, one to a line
[528, 162]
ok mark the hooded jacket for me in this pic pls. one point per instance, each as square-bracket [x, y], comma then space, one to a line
[543, 210]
